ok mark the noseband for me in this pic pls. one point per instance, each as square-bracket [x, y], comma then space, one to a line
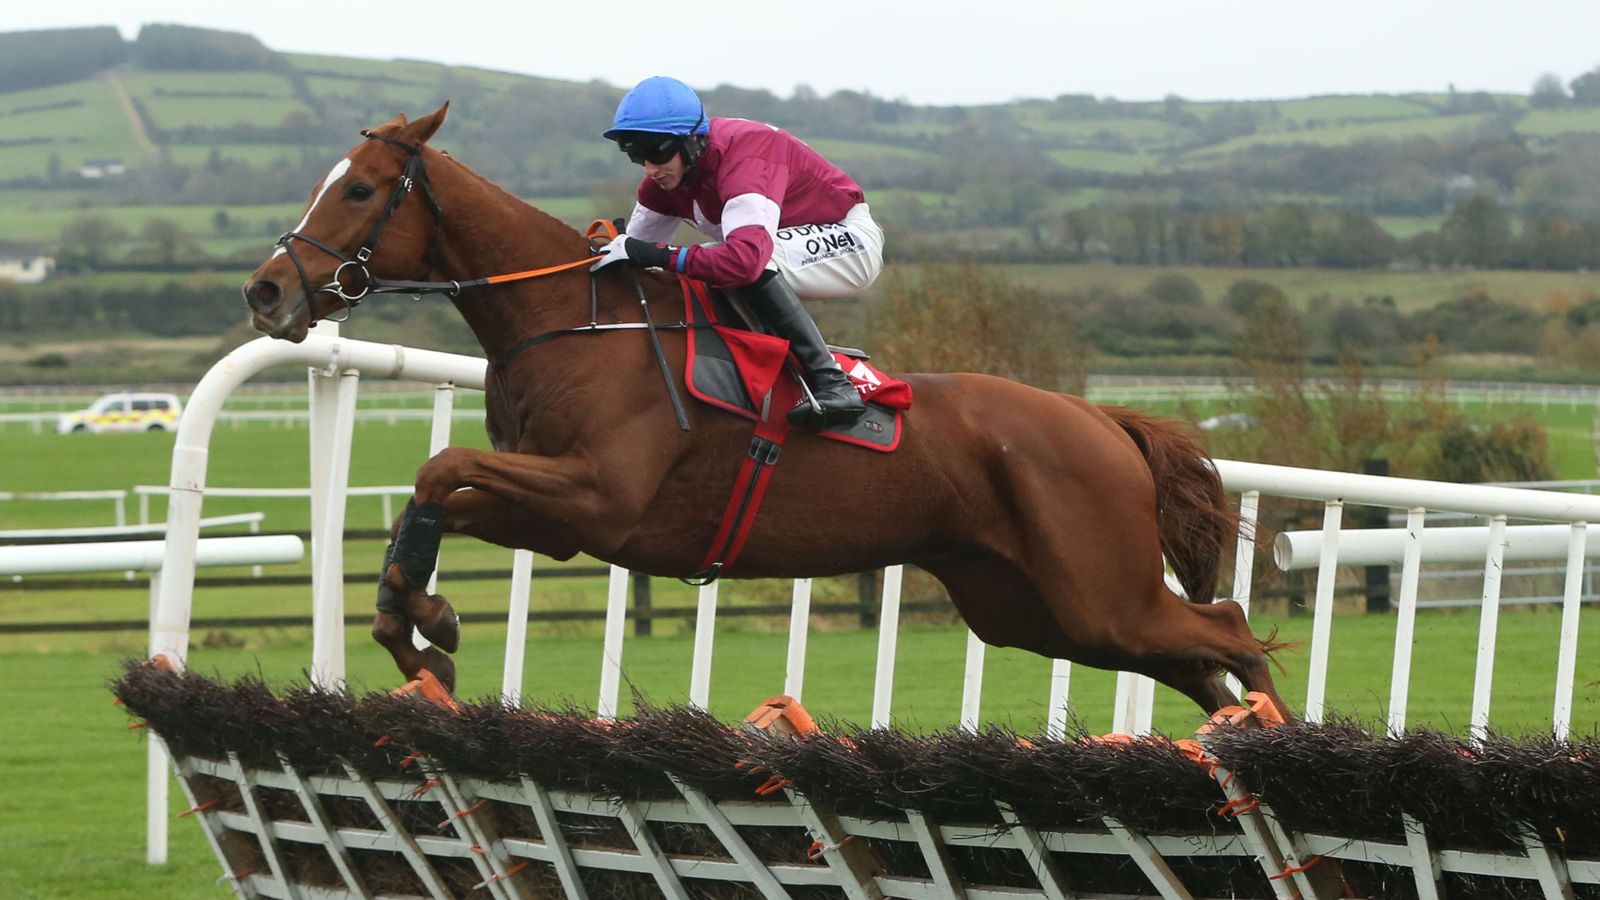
[415, 173]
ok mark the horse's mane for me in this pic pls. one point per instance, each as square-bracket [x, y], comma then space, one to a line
[536, 215]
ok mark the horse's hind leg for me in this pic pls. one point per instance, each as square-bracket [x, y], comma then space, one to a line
[1183, 644]
[1194, 679]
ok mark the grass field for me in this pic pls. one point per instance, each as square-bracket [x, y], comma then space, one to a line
[93, 125]
[1411, 291]
[1350, 109]
[31, 224]
[1105, 160]
[1393, 129]
[257, 225]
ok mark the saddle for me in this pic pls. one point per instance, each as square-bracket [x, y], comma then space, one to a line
[734, 365]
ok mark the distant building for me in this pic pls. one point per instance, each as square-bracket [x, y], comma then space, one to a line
[101, 168]
[25, 266]
[1460, 187]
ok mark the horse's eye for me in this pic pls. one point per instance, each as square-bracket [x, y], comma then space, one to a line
[359, 192]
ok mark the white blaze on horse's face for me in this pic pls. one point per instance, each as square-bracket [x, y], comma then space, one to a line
[334, 174]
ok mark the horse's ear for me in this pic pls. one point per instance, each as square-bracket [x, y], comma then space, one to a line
[418, 132]
[394, 124]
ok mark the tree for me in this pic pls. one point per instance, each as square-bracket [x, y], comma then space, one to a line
[1176, 290]
[968, 318]
[1355, 242]
[1477, 232]
[52, 56]
[87, 240]
[1289, 234]
[165, 241]
[1586, 89]
[1549, 93]
[1083, 226]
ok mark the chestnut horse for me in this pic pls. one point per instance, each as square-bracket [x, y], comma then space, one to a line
[1044, 515]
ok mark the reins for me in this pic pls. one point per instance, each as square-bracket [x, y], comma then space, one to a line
[416, 173]
[375, 285]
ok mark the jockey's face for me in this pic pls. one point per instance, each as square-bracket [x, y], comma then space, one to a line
[668, 175]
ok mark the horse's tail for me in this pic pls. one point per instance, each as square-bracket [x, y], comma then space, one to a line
[1196, 522]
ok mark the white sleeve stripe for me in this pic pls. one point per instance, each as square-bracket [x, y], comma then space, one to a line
[650, 226]
[751, 209]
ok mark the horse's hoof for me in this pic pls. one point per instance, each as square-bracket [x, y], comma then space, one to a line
[444, 629]
[442, 667]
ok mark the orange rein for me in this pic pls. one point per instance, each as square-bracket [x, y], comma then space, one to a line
[598, 229]
[535, 273]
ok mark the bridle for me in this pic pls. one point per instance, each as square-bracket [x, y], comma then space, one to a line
[414, 174]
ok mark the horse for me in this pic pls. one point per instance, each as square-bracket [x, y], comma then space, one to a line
[1046, 517]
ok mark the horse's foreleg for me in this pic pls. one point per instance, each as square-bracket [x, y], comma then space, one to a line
[519, 501]
[408, 564]
[402, 606]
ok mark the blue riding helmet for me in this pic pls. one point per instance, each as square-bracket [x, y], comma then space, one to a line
[660, 105]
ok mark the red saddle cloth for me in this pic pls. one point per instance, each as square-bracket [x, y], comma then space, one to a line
[742, 371]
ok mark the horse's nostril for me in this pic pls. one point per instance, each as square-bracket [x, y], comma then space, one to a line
[261, 295]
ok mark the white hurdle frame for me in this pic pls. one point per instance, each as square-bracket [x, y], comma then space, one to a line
[1493, 545]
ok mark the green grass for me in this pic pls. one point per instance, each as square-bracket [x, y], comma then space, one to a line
[1140, 131]
[174, 113]
[1403, 227]
[387, 98]
[254, 154]
[45, 224]
[1351, 109]
[97, 127]
[1411, 291]
[863, 151]
[38, 198]
[1394, 129]
[158, 85]
[1105, 160]
[1553, 122]
[407, 70]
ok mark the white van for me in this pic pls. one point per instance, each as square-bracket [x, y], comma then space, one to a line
[127, 411]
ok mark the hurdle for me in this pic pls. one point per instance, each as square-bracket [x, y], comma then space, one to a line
[336, 366]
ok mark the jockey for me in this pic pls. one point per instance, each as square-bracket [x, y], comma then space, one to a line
[785, 223]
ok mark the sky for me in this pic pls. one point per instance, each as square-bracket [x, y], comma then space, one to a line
[930, 51]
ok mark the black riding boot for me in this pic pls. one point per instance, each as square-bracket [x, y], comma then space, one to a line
[777, 303]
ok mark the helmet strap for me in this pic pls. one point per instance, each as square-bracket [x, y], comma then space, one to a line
[691, 147]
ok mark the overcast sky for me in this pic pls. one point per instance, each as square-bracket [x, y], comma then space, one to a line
[929, 51]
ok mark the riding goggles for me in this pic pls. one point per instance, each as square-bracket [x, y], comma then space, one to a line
[657, 150]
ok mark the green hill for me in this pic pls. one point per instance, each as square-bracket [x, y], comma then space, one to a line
[187, 150]
[204, 118]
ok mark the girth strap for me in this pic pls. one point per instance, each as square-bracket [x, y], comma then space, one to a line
[749, 488]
